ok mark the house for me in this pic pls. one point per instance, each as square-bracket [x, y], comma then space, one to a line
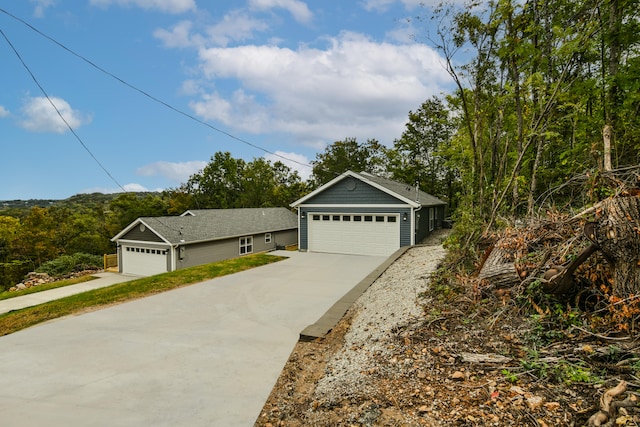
[363, 214]
[153, 245]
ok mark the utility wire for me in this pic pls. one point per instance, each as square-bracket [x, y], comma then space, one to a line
[44, 92]
[148, 95]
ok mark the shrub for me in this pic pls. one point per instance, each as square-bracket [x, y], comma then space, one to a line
[67, 264]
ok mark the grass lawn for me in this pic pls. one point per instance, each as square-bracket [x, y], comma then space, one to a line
[91, 300]
[45, 287]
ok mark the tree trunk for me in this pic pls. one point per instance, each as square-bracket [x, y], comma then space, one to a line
[498, 270]
[606, 137]
[618, 235]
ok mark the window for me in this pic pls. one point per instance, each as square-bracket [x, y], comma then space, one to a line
[325, 217]
[246, 245]
[391, 219]
[379, 219]
[346, 217]
[316, 217]
[357, 218]
[336, 217]
[368, 218]
[267, 237]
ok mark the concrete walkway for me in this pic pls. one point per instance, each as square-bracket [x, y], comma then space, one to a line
[103, 280]
[203, 355]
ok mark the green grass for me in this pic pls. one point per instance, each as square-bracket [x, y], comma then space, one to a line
[46, 287]
[91, 300]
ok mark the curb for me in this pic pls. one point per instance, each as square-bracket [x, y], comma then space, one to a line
[331, 317]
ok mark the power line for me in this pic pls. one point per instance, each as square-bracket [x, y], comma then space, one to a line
[44, 92]
[148, 95]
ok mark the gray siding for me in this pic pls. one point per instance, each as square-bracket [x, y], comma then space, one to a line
[142, 236]
[219, 250]
[405, 226]
[422, 224]
[345, 192]
[286, 237]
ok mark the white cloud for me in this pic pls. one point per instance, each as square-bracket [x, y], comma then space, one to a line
[41, 6]
[384, 5]
[178, 172]
[298, 9]
[235, 26]
[178, 36]
[295, 161]
[133, 187]
[352, 88]
[38, 115]
[169, 6]
[3, 112]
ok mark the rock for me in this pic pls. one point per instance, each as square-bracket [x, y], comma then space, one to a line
[534, 402]
[552, 406]
[457, 375]
[21, 286]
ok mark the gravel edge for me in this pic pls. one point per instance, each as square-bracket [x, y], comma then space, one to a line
[390, 302]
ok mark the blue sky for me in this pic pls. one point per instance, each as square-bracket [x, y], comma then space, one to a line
[287, 76]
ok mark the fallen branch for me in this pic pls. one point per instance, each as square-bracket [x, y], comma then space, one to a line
[607, 410]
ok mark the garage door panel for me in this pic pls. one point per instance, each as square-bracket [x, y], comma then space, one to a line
[368, 236]
[143, 261]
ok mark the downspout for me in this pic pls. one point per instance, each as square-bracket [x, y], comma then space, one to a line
[174, 251]
[299, 229]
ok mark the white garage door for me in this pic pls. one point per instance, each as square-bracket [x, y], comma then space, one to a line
[358, 234]
[143, 261]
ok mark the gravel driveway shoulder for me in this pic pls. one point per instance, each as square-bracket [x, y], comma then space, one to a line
[327, 372]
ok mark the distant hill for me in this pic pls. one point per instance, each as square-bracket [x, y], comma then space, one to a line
[10, 207]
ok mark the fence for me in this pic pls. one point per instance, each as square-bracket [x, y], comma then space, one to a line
[110, 261]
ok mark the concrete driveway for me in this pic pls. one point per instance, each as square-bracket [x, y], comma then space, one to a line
[204, 355]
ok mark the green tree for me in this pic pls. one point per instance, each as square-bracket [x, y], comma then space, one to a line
[419, 156]
[538, 83]
[219, 184]
[127, 207]
[10, 229]
[38, 237]
[345, 155]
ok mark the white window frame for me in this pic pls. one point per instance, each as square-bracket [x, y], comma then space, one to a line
[267, 237]
[246, 245]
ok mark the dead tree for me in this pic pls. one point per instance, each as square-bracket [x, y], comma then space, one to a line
[617, 233]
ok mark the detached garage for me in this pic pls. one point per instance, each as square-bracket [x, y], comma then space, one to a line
[153, 245]
[362, 214]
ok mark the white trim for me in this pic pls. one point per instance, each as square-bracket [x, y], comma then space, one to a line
[353, 206]
[362, 178]
[248, 243]
[143, 243]
[135, 223]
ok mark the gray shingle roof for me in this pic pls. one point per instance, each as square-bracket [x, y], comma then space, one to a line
[404, 190]
[215, 224]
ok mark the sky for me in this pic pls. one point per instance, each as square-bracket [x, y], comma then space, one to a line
[150, 90]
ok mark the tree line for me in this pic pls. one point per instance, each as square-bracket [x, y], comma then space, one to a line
[539, 87]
